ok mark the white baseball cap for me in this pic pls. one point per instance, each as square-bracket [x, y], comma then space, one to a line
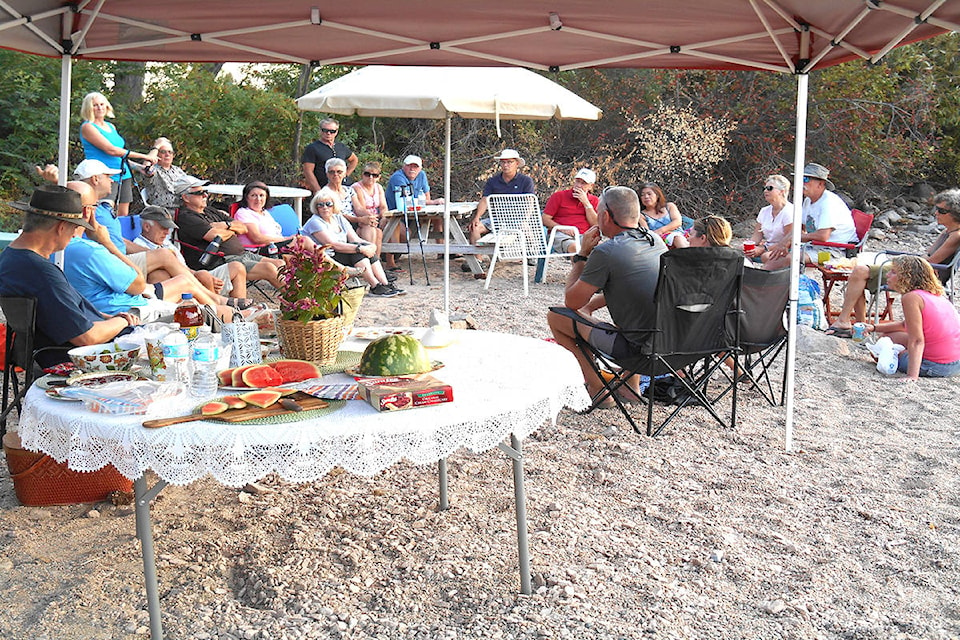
[89, 168]
[586, 175]
[412, 159]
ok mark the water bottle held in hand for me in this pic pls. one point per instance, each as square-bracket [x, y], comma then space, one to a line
[206, 259]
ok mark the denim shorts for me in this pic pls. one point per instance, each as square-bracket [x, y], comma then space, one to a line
[930, 369]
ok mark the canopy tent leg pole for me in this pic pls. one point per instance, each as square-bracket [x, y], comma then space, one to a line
[142, 498]
[446, 223]
[514, 451]
[66, 65]
[796, 263]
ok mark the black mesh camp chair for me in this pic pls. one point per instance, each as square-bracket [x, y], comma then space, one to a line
[763, 334]
[20, 314]
[697, 316]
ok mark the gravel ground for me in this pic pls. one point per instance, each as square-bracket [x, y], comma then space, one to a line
[703, 532]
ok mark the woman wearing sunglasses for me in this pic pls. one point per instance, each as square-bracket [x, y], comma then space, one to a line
[369, 205]
[774, 227]
[327, 226]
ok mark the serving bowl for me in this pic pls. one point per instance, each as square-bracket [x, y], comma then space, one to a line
[113, 356]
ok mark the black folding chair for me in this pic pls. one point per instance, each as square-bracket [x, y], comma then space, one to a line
[697, 304]
[763, 333]
[20, 314]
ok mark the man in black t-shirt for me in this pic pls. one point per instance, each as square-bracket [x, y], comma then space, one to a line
[200, 224]
[317, 153]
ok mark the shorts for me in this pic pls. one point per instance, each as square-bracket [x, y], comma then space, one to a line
[158, 290]
[155, 310]
[930, 369]
[223, 272]
[875, 275]
[611, 341]
[835, 252]
[125, 189]
[139, 259]
[248, 259]
[561, 239]
[351, 259]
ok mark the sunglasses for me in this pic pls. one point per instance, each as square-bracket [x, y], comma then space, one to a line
[324, 204]
[769, 188]
[940, 210]
[163, 152]
[330, 130]
[371, 175]
[197, 193]
[806, 179]
[337, 172]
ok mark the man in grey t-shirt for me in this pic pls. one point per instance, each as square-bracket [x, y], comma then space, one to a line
[620, 274]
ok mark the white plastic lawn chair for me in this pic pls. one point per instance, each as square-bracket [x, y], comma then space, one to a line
[518, 234]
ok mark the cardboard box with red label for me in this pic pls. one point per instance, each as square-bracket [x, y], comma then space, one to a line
[407, 392]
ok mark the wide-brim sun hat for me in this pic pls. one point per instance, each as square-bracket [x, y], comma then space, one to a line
[55, 201]
[820, 172]
[509, 154]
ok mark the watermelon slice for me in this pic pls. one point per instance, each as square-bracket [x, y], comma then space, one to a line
[283, 391]
[213, 407]
[296, 370]
[234, 402]
[225, 377]
[261, 375]
[261, 398]
[237, 376]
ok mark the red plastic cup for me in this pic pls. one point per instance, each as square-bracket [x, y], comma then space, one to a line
[749, 246]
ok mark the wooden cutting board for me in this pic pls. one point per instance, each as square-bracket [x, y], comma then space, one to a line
[305, 400]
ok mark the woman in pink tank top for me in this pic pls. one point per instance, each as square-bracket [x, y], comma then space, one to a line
[930, 329]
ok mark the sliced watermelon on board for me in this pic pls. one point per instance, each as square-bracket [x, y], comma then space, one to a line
[261, 398]
[213, 407]
[296, 370]
[234, 402]
[261, 375]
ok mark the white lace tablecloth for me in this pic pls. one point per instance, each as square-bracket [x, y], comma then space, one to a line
[502, 384]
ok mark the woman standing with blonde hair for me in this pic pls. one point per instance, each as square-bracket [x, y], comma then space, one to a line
[930, 329]
[101, 141]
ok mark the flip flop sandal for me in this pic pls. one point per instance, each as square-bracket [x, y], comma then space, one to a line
[839, 332]
[241, 304]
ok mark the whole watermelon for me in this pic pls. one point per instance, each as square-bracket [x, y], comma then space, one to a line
[394, 356]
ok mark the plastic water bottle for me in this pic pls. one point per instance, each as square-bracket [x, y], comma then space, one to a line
[176, 356]
[398, 198]
[204, 358]
[206, 258]
[272, 250]
[421, 201]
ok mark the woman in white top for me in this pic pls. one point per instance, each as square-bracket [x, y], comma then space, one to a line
[327, 226]
[369, 205]
[774, 228]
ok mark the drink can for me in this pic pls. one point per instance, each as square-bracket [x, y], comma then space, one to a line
[859, 333]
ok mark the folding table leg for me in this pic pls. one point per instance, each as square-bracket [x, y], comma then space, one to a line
[515, 452]
[145, 534]
[442, 473]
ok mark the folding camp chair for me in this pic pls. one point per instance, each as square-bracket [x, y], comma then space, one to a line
[862, 221]
[517, 230]
[21, 315]
[763, 333]
[697, 316]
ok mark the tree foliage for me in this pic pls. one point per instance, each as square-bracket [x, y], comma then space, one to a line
[878, 127]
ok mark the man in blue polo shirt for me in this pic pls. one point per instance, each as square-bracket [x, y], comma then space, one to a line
[508, 181]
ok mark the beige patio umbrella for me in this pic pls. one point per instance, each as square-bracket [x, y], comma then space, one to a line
[494, 93]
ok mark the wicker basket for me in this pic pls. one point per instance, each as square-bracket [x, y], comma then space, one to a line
[316, 341]
[41, 481]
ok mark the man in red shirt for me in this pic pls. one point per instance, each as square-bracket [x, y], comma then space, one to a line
[575, 207]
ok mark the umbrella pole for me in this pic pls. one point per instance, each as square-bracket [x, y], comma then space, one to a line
[446, 224]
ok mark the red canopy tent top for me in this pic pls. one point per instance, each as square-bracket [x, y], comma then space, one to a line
[773, 35]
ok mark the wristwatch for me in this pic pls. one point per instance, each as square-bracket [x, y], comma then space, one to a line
[578, 258]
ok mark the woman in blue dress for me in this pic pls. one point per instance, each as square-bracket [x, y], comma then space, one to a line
[101, 141]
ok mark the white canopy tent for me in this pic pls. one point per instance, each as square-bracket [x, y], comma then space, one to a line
[786, 36]
[497, 93]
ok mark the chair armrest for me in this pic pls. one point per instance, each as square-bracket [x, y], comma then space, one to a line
[839, 245]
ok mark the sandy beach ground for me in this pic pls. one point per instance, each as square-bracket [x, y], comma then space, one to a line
[703, 532]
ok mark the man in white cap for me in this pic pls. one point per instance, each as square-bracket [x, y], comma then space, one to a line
[575, 207]
[156, 266]
[64, 316]
[413, 178]
[508, 181]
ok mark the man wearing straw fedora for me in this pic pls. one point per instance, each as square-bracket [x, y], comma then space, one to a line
[64, 317]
